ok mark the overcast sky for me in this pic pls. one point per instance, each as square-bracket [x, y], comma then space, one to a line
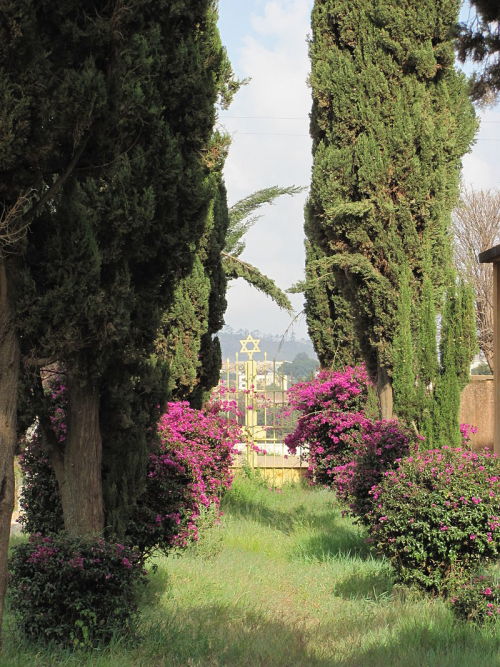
[267, 41]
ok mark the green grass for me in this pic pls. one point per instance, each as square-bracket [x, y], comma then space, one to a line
[284, 580]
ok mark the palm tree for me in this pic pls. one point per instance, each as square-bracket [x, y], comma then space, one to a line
[241, 218]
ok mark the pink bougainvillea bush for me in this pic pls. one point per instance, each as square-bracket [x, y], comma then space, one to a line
[467, 431]
[332, 421]
[383, 443]
[438, 512]
[477, 600]
[340, 391]
[74, 592]
[190, 470]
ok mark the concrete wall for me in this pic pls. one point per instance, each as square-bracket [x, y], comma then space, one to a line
[477, 408]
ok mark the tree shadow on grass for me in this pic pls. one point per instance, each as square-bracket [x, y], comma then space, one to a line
[229, 635]
[284, 521]
[334, 536]
[436, 643]
[375, 586]
[225, 634]
[258, 511]
[340, 540]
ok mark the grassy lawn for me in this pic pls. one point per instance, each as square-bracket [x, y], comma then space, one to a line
[284, 580]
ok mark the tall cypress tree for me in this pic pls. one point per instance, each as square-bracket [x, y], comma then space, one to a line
[104, 258]
[457, 346]
[186, 341]
[404, 380]
[390, 123]
[43, 133]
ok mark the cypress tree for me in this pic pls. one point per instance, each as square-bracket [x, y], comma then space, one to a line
[37, 154]
[186, 340]
[427, 360]
[457, 346]
[404, 380]
[390, 123]
[123, 227]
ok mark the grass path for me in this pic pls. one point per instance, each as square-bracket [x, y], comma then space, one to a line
[284, 580]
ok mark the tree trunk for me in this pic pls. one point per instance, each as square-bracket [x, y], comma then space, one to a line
[80, 475]
[9, 379]
[384, 392]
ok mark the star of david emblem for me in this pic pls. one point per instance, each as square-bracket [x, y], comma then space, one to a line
[250, 351]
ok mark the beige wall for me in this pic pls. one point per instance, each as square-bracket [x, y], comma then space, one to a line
[477, 408]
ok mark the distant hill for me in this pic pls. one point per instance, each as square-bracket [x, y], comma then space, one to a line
[276, 346]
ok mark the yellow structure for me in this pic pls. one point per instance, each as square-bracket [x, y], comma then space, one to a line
[261, 395]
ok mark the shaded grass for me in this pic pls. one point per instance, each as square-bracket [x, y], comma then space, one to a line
[284, 580]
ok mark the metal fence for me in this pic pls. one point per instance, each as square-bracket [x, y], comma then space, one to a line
[259, 391]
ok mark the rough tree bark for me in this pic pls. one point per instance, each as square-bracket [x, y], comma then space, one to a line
[79, 467]
[384, 392]
[9, 378]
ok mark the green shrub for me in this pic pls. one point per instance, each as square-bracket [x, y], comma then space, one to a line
[438, 511]
[73, 592]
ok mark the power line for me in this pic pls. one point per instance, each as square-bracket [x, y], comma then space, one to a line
[304, 118]
[286, 134]
[270, 134]
[270, 117]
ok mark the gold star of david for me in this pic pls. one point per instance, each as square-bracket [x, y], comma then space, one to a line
[244, 346]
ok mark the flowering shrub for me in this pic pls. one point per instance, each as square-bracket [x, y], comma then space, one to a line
[383, 443]
[332, 421]
[477, 600]
[340, 391]
[190, 470]
[73, 592]
[437, 511]
[466, 431]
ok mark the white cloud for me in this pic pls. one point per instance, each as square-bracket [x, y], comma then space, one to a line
[271, 146]
[269, 150]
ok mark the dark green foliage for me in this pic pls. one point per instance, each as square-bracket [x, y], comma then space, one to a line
[403, 377]
[330, 321]
[457, 347]
[40, 503]
[480, 40]
[117, 107]
[72, 592]
[186, 339]
[390, 123]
